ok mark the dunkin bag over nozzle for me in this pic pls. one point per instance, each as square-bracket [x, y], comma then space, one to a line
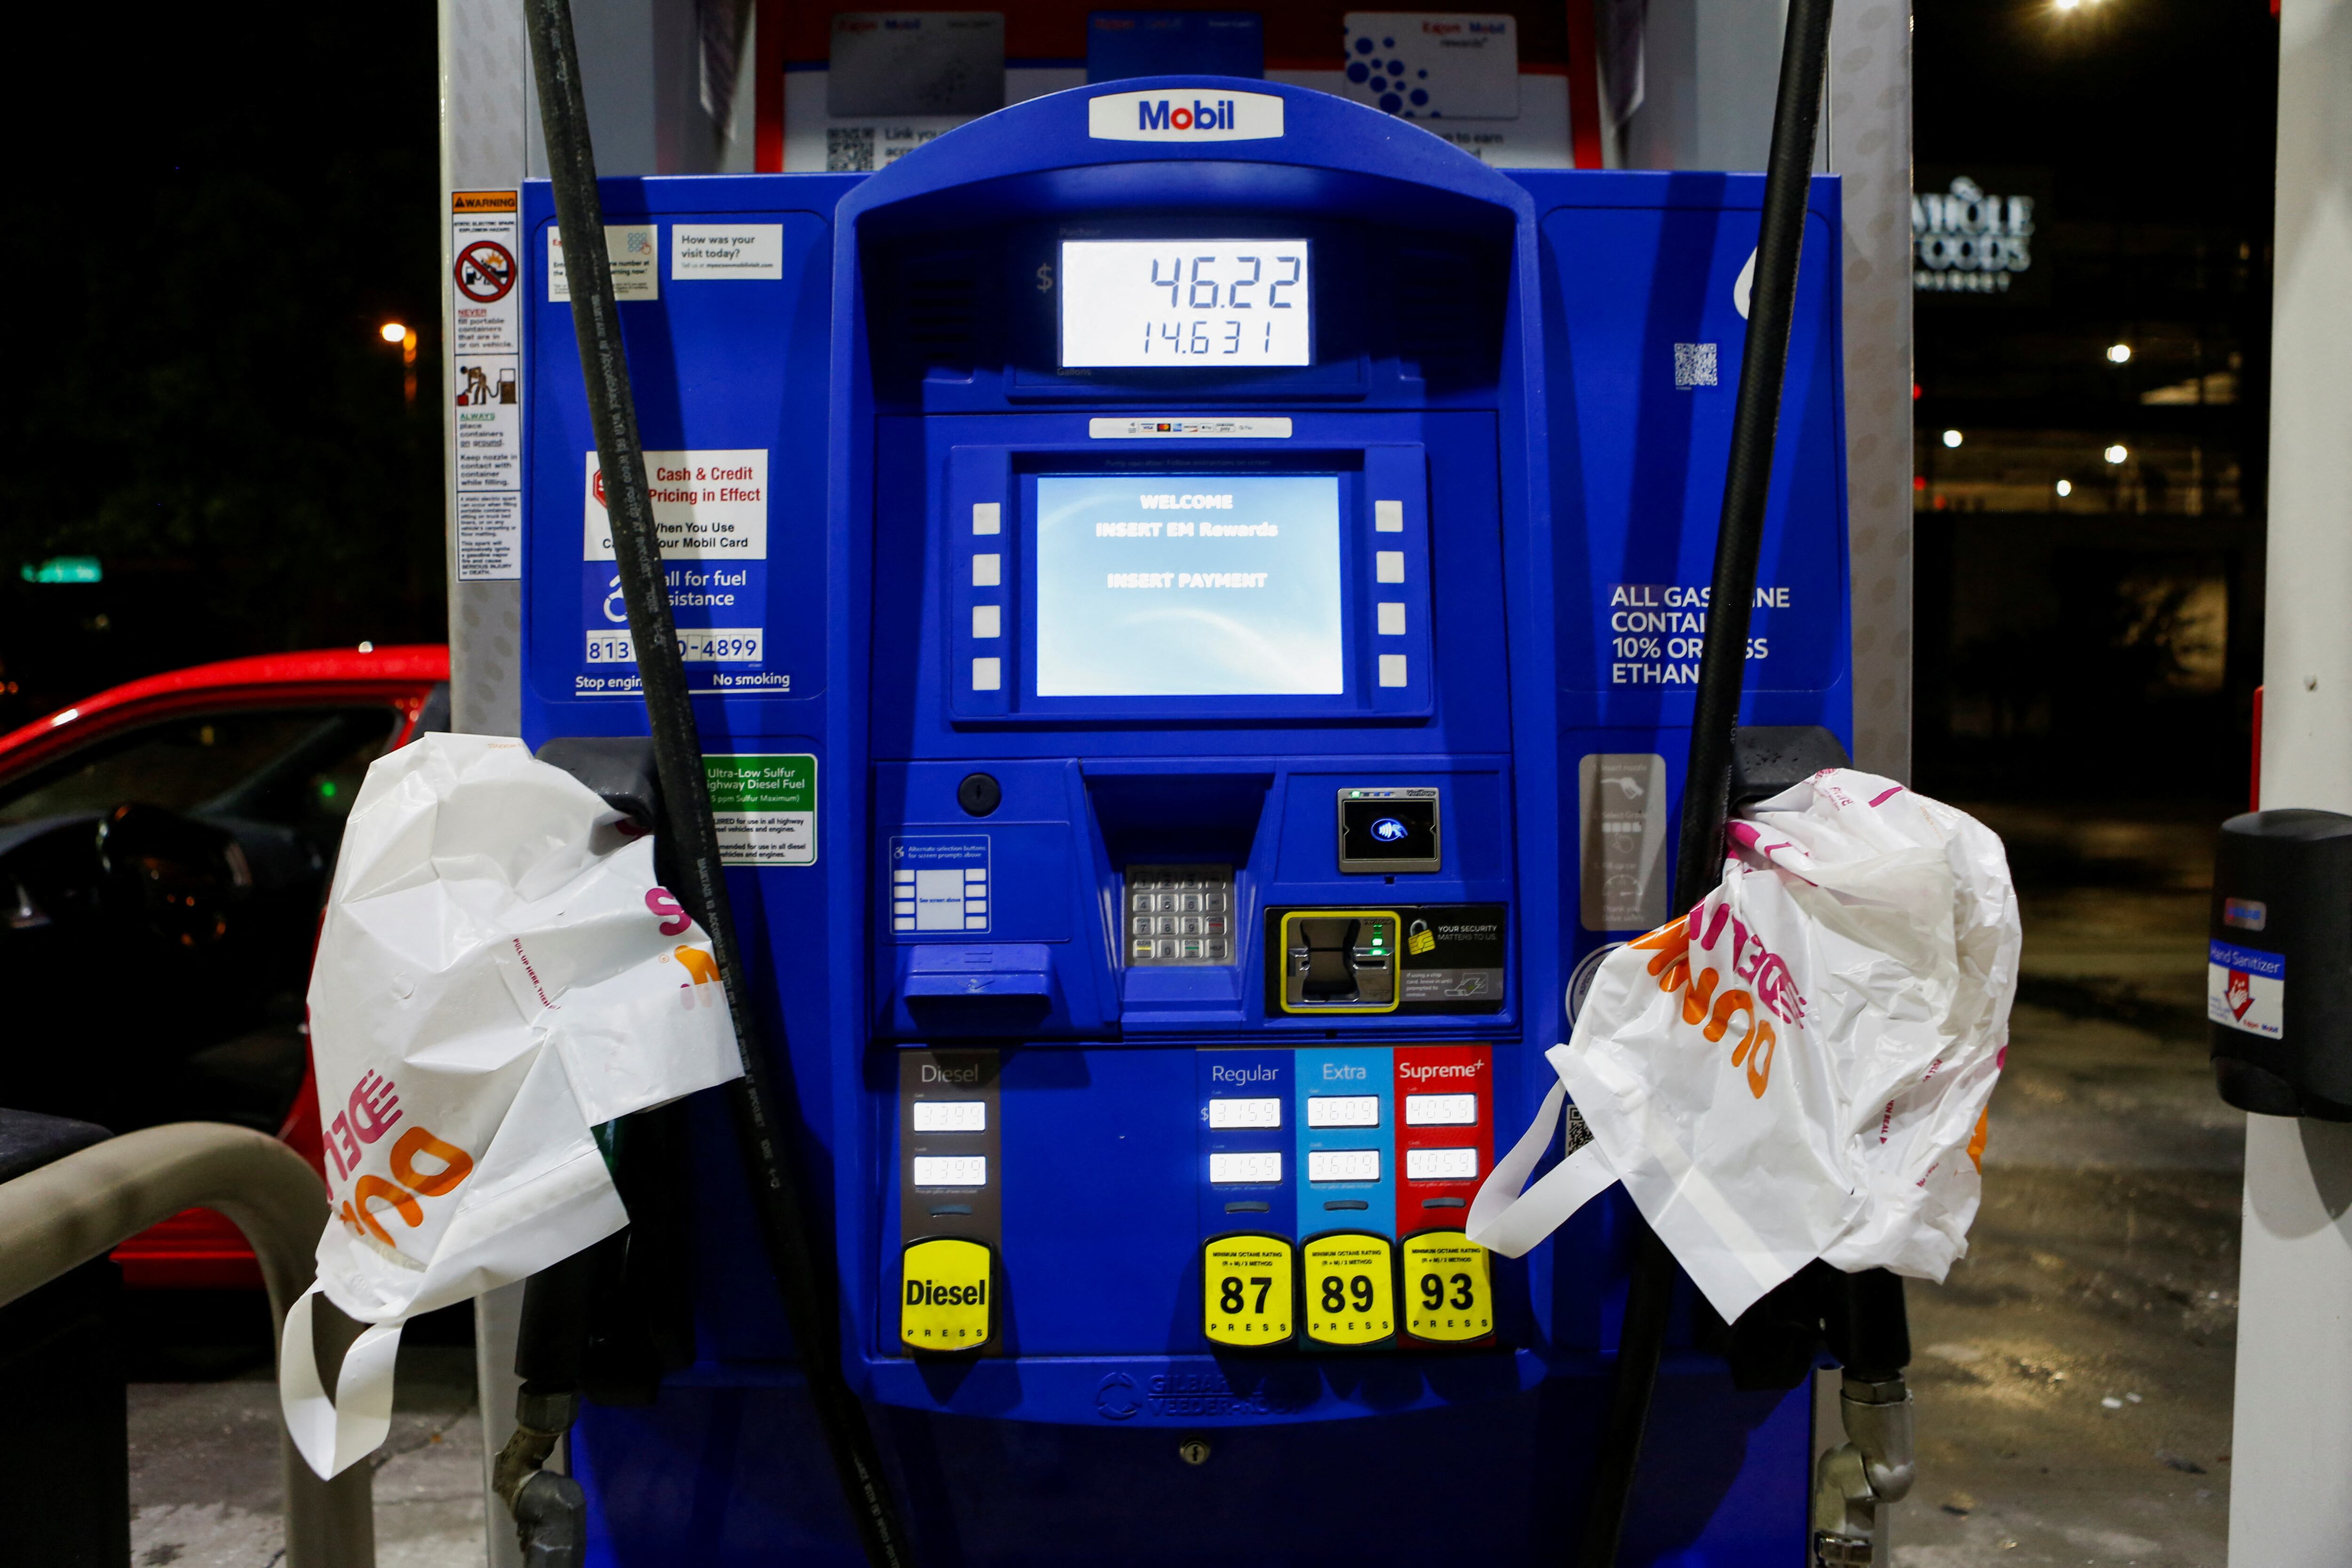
[1799, 1067]
[497, 973]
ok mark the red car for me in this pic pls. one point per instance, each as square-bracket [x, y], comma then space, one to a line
[164, 852]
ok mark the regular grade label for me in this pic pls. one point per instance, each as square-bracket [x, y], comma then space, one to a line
[1449, 1292]
[1245, 1297]
[1350, 1289]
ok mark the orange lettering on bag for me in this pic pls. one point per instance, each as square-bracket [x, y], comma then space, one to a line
[1695, 1004]
[1977, 1138]
[457, 1164]
[1672, 941]
[403, 1203]
[1757, 1048]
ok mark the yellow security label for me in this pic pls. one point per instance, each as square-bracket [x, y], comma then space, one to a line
[943, 1303]
[1349, 1299]
[1246, 1281]
[1449, 1293]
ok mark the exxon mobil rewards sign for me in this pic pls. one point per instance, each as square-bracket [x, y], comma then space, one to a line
[1181, 117]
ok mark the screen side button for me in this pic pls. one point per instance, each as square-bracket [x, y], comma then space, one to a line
[1388, 516]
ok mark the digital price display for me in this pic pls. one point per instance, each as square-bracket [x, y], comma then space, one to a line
[1186, 303]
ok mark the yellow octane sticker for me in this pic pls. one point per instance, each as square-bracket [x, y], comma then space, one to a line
[1449, 1295]
[1349, 1299]
[944, 1300]
[1247, 1289]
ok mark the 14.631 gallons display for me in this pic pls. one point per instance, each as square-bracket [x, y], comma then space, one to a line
[1188, 303]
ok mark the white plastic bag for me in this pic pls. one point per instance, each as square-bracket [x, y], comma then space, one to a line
[1799, 1068]
[498, 974]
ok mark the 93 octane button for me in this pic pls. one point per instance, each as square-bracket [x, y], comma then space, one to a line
[1449, 1293]
[1246, 1283]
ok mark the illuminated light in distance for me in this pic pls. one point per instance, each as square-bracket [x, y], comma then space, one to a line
[393, 332]
[367, 647]
[2117, 453]
[67, 717]
[2065, 488]
[2119, 354]
[1951, 438]
[1918, 481]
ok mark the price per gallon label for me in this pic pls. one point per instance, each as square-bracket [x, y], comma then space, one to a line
[1246, 1289]
[944, 1301]
[1351, 1289]
[1449, 1292]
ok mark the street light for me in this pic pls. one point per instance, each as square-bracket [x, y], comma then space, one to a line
[2065, 488]
[2116, 454]
[2119, 354]
[405, 336]
[1951, 438]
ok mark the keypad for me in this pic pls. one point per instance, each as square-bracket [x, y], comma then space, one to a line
[1180, 915]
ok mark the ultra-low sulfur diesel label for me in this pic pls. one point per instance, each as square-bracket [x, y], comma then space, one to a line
[1350, 1296]
[944, 1295]
[764, 808]
[1245, 1285]
[1449, 1294]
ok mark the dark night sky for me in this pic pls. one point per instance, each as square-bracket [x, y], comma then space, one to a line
[231, 199]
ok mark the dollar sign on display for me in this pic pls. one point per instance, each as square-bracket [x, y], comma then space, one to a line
[1044, 277]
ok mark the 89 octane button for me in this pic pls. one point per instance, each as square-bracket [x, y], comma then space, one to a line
[1246, 1289]
[1449, 1293]
[1350, 1296]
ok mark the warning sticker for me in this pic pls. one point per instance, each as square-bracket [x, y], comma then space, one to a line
[764, 808]
[2245, 989]
[707, 505]
[635, 250]
[486, 378]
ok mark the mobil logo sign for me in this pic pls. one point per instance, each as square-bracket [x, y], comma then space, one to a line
[1183, 116]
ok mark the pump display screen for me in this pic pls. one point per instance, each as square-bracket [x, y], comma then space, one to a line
[1189, 585]
[1189, 303]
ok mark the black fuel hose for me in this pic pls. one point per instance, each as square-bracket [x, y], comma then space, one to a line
[1722, 671]
[763, 1099]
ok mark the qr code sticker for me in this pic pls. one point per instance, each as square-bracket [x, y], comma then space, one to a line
[1694, 366]
[850, 150]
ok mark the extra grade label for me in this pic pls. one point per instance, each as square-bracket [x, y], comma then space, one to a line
[1350, 1290]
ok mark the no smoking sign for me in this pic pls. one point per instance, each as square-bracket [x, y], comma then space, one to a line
[486, 271]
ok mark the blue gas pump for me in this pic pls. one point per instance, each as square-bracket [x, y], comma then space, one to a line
[1193, 591]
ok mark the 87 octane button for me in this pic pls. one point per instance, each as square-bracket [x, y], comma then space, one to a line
[1351, 1290]
[1449, 1292]
[1246, 1289]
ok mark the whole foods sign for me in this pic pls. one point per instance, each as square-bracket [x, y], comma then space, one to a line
[1971, 242]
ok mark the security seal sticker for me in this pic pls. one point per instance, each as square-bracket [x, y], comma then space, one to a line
[1449, 1293]
[1246, 1283]
[2245, 989]
[764, 808]
[1350, 1290]
[944, 1300]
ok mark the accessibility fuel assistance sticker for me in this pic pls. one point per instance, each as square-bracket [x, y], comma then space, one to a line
[710, 509]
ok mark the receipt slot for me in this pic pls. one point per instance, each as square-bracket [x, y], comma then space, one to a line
[1193, 625]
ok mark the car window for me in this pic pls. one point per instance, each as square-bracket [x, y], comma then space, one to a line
[288, 766]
